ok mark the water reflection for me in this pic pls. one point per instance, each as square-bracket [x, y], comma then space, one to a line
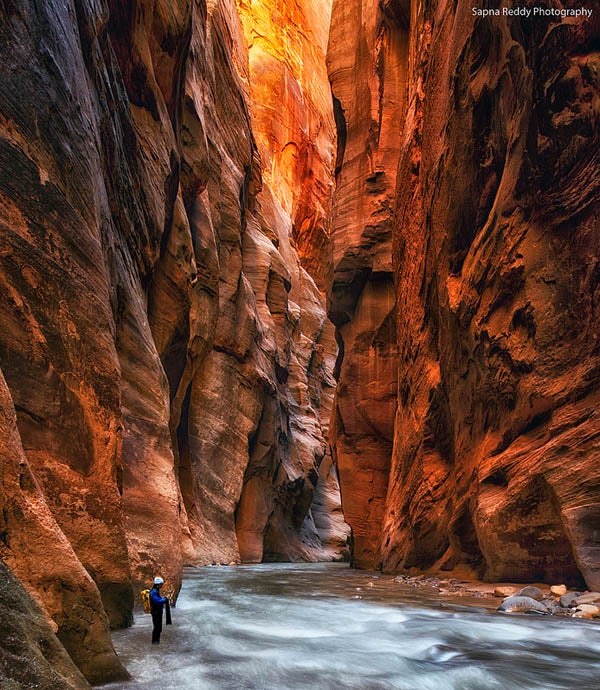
[328, 627]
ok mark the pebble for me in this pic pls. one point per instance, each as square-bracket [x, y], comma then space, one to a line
[558, 590]
[521, 604]
[532, 592]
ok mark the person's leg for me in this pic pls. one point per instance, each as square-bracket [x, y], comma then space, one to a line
[156, 626]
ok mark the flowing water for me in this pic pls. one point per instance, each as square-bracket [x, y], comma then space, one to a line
[326, 627]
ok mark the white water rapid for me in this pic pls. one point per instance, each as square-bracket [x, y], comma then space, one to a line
[324, 627]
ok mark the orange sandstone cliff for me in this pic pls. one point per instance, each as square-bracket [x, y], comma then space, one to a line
[168, 360]
[490, 219]
[181, 183]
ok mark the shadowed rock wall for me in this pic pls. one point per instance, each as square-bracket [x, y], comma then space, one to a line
[30, 655]
[495, 259]
[368, 81]
[162, 346]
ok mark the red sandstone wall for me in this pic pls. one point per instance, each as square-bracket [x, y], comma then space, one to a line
[366, 58]
[162, 345]
[495, 438]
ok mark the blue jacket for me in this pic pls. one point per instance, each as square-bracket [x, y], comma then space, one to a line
[156, 601]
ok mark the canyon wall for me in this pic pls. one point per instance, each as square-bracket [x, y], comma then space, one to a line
[496, 259]
[368, 81]
[168, 361]
[292, 119]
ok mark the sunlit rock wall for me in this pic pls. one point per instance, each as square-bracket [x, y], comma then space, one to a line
[495, 257]
[167, 356]
[292, 121]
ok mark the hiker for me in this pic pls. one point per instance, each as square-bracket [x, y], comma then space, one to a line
[156, 604]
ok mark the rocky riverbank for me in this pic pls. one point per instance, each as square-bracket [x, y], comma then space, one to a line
[542, 599]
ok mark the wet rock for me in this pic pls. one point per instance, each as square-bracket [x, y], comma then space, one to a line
[522, 604]
[587, 615]
[553, 606]
[589, 608]
[567, 600]
[558, 590]
[533, 592]
[590, 598]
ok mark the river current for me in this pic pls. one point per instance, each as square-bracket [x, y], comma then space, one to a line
[327, 627]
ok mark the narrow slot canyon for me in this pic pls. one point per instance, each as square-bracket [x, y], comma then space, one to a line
[290, 282]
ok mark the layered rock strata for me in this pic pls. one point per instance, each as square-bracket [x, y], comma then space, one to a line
[495, 260]
[168, 357]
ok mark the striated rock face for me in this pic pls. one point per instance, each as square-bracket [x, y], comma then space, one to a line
[38, 553]
[496, 264]
[292, 120]
[368, 81]
[30, 654]
[292, 117]
[168, 357]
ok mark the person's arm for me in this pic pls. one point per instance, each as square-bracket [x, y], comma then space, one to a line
[156, 598]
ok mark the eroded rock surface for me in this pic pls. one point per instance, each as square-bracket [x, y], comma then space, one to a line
[367, 60]
[30, 654]
[168, 356]
[292, 120]
[495, 259]
[37, 551]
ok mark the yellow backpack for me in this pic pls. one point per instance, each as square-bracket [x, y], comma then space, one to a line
[145, 595]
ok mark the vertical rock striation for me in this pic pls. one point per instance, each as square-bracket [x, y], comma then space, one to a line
[30, 654]
[168, 357]
[292, 121]
[495, 261]
[37, 551]
[368, 81]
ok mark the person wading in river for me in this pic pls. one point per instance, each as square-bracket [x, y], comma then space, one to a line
[157, 603]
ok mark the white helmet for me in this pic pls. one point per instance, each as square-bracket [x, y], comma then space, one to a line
[159, 581]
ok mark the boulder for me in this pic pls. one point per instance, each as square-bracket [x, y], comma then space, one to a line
[583, 614]
[521, 604]
[505, 591]
[566, 601]
[558, 590]
[589, 608]
[590, 598]
[533, 592]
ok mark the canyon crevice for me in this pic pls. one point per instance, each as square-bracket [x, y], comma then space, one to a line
[257, 254]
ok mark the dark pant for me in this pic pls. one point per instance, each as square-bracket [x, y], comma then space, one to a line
[156, 625]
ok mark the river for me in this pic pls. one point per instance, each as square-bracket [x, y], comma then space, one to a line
[327, 627]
